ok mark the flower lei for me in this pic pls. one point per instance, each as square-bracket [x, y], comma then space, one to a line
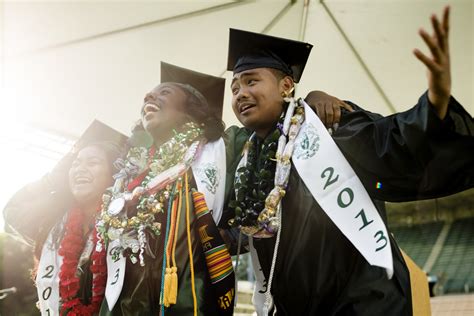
[71, 248]
[261, 182]
[144, 178]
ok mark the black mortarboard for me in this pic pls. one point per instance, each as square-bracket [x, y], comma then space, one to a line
[212, 88]
[100, 132]
[248, 50]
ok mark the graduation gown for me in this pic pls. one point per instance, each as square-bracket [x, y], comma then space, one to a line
[141, 290]
[37, 207]
[414, 155]
[140, 294]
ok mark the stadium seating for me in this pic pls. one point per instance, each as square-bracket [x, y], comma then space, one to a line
[456, 260]
[417, 240]
[455, 263]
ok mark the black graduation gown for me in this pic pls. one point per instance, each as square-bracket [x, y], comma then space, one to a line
[141, 290]
[38, 206]
[414, 155]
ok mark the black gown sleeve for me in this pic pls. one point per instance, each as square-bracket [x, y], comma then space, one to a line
[33, 210]
[411, 155]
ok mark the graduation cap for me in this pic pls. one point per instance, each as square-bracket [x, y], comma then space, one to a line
[95, 133]
[100, 132]
[248, 50]
[212, 88]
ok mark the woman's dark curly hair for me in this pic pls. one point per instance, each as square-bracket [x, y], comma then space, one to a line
[201, 112]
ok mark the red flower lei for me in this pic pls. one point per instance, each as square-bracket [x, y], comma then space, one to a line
[71, 248]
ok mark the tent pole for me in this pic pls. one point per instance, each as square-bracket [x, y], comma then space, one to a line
[359, 58]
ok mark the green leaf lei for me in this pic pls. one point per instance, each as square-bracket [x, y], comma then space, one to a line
[255, 180]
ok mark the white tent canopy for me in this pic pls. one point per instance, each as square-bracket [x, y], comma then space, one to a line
[65, 63]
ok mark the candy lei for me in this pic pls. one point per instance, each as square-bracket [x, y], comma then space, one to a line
[145, 179]
[71, 248]
[257, 204]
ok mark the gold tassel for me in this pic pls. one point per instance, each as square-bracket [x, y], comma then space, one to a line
[173, 298]
[173, 293]
[167, 286]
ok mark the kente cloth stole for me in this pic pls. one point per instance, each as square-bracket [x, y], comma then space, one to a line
[218, 260]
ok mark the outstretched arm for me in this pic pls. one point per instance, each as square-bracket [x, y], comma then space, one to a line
[35, 208]
[438, 65]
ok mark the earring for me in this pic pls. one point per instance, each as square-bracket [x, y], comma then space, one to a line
[286, 94]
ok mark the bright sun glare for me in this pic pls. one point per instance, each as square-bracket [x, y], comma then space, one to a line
[27, 152]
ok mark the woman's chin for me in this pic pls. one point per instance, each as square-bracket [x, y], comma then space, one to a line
[86, 197]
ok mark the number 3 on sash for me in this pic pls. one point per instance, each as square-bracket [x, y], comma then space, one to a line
[116, 277]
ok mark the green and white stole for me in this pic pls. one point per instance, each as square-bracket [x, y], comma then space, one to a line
[47, 278]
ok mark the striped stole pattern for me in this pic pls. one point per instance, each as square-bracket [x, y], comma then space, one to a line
[218, 260]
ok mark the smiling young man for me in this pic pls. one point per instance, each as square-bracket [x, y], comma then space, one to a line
[320, 245]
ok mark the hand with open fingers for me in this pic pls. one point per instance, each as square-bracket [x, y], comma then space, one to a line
[327, 107]
[439, 70]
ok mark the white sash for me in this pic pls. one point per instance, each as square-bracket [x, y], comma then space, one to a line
[337, 189]
[258, 297]
[47, 279]
[209, 170]
[115, 273]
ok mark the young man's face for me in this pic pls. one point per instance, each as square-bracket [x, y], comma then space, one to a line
[257, 100]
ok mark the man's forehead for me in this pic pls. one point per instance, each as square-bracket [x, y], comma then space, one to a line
[249, 72]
